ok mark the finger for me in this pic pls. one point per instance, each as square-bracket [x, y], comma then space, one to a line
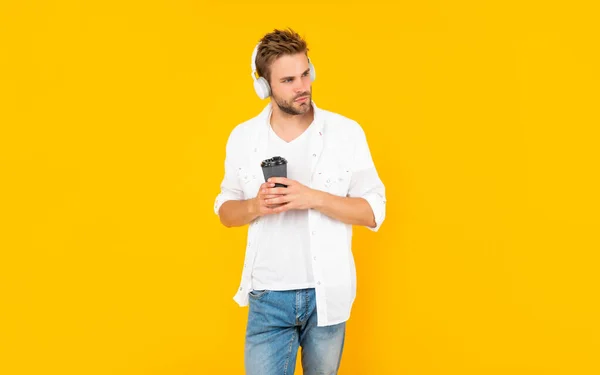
[265, 202]
[268, 196]
[271, 208]
[266, 185]
[262, 195]
[281, 180]
[287, 201]
[281, 199]
[283, 208]
[277, 191]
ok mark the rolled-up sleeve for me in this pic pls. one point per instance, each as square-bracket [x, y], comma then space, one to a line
[365, 182]
[231, 189]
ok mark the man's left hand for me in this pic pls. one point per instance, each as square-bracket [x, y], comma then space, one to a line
[295, 196]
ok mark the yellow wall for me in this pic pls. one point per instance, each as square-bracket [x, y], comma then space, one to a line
[114, 117]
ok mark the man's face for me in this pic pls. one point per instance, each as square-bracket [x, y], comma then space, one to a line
[290, 84]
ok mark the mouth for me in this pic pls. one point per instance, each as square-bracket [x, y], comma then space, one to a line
[302, 99]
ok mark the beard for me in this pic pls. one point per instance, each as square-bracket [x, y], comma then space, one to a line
[292, 108]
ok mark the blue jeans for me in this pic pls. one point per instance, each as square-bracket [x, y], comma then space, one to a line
[281, 321]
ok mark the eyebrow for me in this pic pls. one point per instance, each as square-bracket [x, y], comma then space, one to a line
[284, 78]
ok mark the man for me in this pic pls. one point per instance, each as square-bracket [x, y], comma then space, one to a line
[299, 278]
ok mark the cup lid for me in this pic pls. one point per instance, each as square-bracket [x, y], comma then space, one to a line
[275, 160]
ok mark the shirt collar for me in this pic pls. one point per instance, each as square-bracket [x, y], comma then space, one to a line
[265, 116]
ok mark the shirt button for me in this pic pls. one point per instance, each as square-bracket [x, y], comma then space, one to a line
[318, 283]
[314, 258]
[314, 232]
[241, 289]
[314, 155]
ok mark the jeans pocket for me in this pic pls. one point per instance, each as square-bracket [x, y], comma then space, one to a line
[256, 294]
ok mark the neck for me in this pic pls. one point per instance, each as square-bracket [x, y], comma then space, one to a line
[290, 123]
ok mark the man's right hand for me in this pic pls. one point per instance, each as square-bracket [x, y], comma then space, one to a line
[259, 205]
[235, 213]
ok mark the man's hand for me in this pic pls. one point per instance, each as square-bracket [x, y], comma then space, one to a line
[261, 206]
[293, 197]
[349, 210]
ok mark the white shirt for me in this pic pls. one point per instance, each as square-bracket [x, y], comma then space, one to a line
[341, 164]
[283, 257]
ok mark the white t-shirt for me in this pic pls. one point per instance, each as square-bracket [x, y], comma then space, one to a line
[283, 256]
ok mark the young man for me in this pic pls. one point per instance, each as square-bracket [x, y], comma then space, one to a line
[298, 278]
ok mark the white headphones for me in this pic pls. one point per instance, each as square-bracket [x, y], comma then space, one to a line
[261, 86]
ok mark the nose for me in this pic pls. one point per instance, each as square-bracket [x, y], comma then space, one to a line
[302, 85]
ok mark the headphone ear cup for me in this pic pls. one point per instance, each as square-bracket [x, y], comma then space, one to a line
[261, 86]
[313, 74]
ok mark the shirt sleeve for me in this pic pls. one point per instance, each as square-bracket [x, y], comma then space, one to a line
[365, 182]
[231, 189]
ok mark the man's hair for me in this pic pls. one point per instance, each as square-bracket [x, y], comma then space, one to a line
[274, 45]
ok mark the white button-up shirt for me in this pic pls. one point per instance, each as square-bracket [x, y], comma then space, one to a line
[341, 164]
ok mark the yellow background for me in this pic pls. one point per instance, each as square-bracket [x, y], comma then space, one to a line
[482, 122]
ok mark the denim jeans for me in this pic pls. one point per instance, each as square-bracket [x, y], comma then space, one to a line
[281, 321]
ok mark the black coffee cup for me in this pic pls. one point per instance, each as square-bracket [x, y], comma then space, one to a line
[274, 167]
